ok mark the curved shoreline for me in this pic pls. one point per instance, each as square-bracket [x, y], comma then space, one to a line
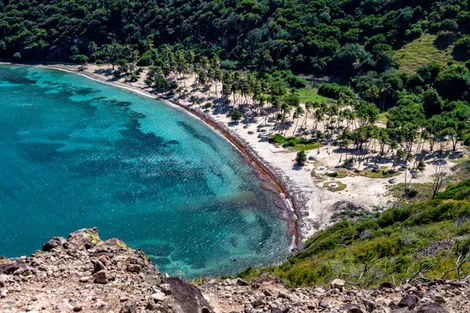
[292, 202]
[259, 164]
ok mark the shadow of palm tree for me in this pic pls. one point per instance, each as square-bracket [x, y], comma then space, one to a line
[352, 151]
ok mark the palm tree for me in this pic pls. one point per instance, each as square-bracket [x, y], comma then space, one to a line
[319, 115]
[218, 76]
[308, 106]
[92, 48]
[204, 63]
[344, 138]
[181, 64]
[236, 86]
[348, 117]
[227, 82]
[299, 111]
[245, 89]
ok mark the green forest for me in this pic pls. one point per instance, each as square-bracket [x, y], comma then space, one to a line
[337, 37]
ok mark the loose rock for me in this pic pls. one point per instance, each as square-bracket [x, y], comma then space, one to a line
[338, 283]
[128, 308]
[432, 308]
[134, 268]
[100, 277]
[158, 296]
[408, 301]
[54, 242]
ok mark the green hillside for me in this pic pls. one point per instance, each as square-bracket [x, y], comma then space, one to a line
[417, 242]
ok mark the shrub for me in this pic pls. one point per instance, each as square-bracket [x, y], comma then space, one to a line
[134, 77]
[278, 139]
[294, 81]
[410, 193]
[236, 116]
[162, 84]
[80, 58]
[292, 142]
[301, 158]
[387, 242]
[334, 91]
[393, 216]
[429, 72]
[459, 191]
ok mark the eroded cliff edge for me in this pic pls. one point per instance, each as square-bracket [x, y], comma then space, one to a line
[85, 274]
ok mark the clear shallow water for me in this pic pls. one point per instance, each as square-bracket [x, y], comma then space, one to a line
[76, 153]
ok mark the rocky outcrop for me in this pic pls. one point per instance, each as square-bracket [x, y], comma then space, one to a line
[85, 274]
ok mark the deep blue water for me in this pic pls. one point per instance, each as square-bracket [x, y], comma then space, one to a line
[76, 153]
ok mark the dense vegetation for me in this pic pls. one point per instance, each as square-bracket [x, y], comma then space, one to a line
[416, 242]
[339, 37]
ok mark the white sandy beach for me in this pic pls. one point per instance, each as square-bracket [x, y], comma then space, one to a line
[314, 203]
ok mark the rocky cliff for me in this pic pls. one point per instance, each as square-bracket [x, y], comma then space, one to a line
[85, 274]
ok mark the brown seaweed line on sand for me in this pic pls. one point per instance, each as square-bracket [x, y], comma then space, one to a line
[291, 203]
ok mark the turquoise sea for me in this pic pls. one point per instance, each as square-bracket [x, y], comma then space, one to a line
[77, 153]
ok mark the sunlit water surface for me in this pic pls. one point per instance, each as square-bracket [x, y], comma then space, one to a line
[76, 153]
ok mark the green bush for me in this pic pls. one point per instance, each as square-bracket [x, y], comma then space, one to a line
[236, 116]
[161, 84]
[462, 47]
[294, 142]
[278, 139]
[334, 91]
[301, 158]
[459, 191]
[294, 81]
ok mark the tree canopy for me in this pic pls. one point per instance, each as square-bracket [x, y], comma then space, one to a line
[338, 37]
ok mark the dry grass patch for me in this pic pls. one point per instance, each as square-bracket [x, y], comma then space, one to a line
[422, 51]
[334, 186]
[383, 172]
